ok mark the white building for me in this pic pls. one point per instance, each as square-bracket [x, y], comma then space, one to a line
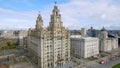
[107, 44]
[49, 47]
[84, 46]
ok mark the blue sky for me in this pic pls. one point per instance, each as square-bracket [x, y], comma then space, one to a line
[76, 14]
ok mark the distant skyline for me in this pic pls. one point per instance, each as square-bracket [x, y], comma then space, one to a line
[76, 14]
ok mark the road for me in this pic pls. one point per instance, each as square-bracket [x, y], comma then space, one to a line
[109, 64]
[16, 52]
[22, 65]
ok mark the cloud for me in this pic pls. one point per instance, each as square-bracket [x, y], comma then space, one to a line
[106, 12]
[13, 27]
[75, 15]
[16, 19]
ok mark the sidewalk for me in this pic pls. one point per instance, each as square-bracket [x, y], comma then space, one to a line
[22, 65]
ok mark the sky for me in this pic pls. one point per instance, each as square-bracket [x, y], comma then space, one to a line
[76, 14]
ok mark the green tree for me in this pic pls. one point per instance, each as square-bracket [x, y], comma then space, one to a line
[8, 43]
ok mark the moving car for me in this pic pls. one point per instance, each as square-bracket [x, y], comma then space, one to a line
[102, 62]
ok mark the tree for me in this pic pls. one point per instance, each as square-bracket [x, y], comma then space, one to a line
[8, 43]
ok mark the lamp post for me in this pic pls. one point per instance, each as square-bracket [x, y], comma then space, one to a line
[4, 52]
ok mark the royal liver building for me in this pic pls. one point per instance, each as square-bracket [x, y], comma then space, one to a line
[49, 47]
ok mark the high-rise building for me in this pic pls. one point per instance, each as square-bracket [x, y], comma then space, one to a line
[49, 47]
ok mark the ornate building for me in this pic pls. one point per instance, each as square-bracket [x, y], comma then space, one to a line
[49, 47]
[107, 44]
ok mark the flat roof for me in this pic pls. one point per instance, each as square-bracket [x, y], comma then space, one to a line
[80, 37]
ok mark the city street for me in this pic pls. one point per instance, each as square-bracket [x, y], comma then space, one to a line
[13, 51]
[109, 64]
[4, 59]
[22, 65]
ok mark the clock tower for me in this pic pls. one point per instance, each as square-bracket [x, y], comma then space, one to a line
[55, 19]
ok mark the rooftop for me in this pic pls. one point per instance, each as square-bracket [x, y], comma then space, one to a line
[80, 37]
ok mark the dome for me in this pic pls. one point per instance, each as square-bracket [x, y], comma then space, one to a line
[103, 29]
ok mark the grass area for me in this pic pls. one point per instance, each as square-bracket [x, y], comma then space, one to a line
[116, 66]
[10, 46]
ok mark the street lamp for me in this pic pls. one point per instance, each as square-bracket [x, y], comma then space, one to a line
[4, 51]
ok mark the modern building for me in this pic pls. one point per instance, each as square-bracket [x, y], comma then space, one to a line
[107, 44]
[49, 47]
[93, 32]
[75, 32]
[84, 47]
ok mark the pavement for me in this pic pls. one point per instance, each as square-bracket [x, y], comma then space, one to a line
[13, 51]
[22, 65]
[68, 65]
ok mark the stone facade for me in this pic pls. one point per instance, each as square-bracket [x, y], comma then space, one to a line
[50, 47]
[107, 44]
[84, 47]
